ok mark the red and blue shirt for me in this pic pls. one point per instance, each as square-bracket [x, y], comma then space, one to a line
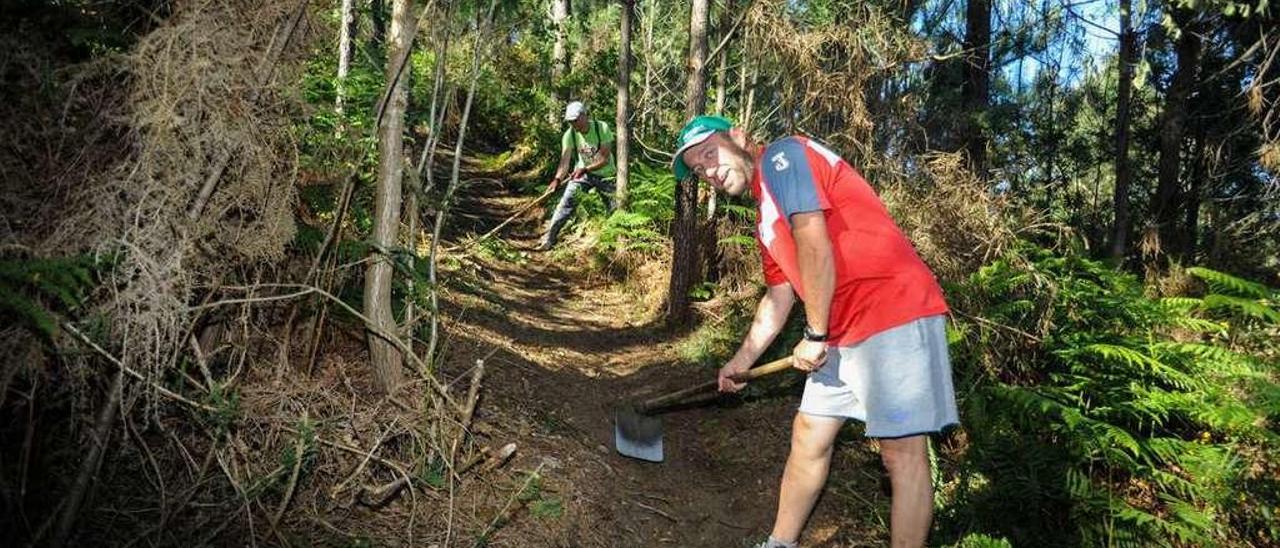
[880, 281]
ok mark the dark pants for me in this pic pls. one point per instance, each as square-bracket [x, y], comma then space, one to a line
[568, 201]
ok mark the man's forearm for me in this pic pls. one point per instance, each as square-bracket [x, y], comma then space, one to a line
[563, 169]
[601, 159]
[596, 165]
[818, 272]
[817, 268]
[771, 316]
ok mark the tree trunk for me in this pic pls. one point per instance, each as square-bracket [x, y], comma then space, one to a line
[378, 14]
[722, 59]
[93, 461]
[346, 48]
[559, 56]
[749, 109]
[975, 92]
[1120, 203]
[439, 107]
[482, 31]
[647, 114]
[386, 359]
[623, 144]
[684, 228]
[1168, 199]
[1192, 223]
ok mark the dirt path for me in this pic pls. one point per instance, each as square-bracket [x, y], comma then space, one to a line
[568, 346]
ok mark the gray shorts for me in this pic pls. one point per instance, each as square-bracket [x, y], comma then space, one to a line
[898, 381]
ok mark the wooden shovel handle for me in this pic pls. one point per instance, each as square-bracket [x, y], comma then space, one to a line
[676, 397]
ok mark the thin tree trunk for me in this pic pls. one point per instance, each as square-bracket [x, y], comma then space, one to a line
[1168, 199]
[1192, 221]
[559, 56]
[742, 85]
[482, 28]
[89, 466]
[748, 111]
[424, 167]
[975, 92]
[648, 113]
[439, 106]
[684, 228]
[345, 50]
[721, 87]
[623, 144]
[385, 357]
[721, 62]
[1122, 224]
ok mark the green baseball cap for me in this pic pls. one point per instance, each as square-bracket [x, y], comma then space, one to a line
[694, 132]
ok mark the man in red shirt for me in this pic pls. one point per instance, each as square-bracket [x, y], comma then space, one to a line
[875, 342]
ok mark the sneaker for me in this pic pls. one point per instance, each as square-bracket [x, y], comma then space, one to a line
[543, 246]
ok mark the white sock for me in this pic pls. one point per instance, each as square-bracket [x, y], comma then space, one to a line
[775, 543]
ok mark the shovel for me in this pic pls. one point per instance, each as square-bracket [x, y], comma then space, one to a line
[638, 432]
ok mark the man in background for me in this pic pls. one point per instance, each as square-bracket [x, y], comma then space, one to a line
[590, 143]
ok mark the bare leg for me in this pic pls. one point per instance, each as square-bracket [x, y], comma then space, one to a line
[812, 438]
[907, 460]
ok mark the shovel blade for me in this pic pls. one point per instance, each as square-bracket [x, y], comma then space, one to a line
[637, 435]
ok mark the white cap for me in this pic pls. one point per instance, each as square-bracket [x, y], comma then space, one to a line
[574, 110]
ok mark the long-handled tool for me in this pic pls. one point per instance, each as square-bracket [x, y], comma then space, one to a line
[637, 429]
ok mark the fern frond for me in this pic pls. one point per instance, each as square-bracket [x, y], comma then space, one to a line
[1248, 307]
[1221, 282]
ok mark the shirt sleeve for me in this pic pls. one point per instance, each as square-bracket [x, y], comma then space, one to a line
[790, 178]
[606, 134]
[566, 141]
[772, 272]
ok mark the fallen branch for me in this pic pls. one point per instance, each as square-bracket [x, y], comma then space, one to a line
[116, 361]
[304, 290]
[494, 522]
[89, 467]
[333, 493]
[268, 68]
[657, 511]
[299, 451]
[997, 325]
[513, 217]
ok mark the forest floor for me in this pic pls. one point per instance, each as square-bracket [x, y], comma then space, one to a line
[567, 344]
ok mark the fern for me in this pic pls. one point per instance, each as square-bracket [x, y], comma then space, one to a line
[1227, 284]
[1140, 408]
[1244, 306]
[33, 291]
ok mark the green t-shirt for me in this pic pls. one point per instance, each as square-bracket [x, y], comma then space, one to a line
[588, 145]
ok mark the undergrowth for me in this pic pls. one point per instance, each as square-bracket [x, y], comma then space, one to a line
[1095, 414]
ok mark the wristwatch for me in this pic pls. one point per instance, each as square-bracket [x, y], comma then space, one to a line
[811, 335]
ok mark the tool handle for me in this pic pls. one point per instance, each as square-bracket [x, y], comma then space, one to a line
[674, 398]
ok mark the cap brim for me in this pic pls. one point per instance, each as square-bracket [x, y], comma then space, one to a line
[677, 163]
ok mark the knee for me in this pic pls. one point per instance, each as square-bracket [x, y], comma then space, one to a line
[905, 456]
[809, 440]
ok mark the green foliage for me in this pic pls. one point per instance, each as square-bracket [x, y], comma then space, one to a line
[547, 508]
[643, 225]
[226, 405]
[713, 342]
[302, 452]
[1131, 421]
[981, 541]
[33, 290]
[434, 473]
